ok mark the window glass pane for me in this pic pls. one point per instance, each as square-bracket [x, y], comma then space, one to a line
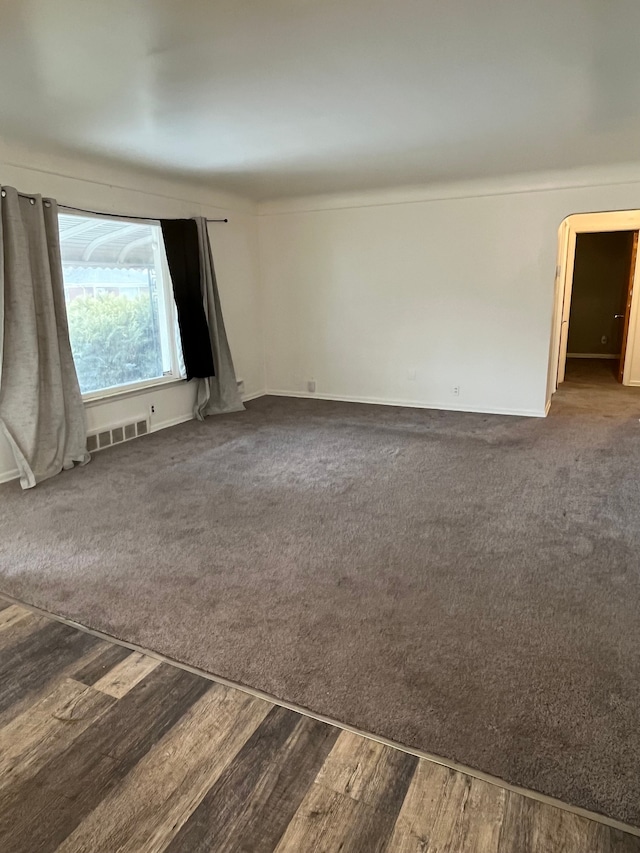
[120, 322]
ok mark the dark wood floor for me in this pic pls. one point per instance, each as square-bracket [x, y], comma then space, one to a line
[103, 749]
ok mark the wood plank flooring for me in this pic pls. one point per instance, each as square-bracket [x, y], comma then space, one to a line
[104, 749]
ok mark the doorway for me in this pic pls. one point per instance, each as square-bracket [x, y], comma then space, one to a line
[600, 306]
[597, 255]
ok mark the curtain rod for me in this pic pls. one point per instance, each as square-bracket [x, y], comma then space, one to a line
[116, 215]
[125, 215]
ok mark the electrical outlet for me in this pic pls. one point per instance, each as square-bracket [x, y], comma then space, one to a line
[456, 390]
[411, 374]
[152, 409]
[311, 386]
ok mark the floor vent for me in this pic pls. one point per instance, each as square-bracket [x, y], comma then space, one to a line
[116, 434]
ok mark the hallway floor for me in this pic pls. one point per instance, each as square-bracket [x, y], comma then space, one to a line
[591, 385]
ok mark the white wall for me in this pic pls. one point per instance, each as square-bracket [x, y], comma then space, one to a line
[235, 249]
[399, 297]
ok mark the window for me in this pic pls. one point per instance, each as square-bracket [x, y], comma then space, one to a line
[120, 308]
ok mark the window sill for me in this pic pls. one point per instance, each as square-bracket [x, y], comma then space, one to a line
[125, 391]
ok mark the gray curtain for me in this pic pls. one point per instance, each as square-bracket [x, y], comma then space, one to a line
[216, 394]
[41, 410]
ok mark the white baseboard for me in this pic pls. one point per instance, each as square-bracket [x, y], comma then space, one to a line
[253, 396]
[180, 419]
[591, 355]
[411, 404]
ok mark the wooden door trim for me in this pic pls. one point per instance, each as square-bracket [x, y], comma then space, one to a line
[627, 308]
[569, 267]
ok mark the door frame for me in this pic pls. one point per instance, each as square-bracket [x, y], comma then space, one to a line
[584, 223]
[628, 304]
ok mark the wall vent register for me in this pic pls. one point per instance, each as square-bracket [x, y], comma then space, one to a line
[117, 434]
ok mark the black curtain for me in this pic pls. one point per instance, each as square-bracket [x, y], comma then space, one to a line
[183, 256]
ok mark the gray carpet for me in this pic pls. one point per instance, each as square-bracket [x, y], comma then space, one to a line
[466, 584]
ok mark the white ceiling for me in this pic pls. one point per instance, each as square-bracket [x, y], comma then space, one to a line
[277, 98]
